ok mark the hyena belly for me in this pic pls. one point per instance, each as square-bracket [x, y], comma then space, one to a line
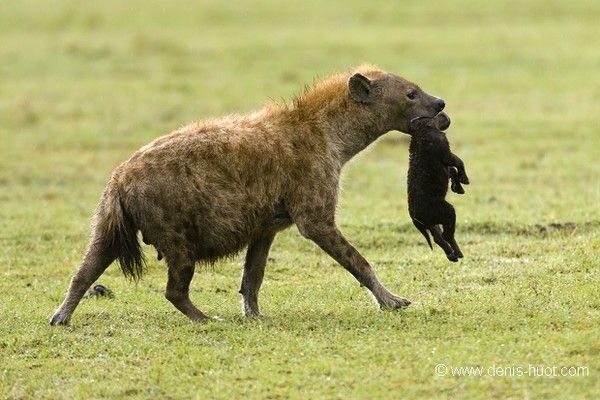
[198, 217]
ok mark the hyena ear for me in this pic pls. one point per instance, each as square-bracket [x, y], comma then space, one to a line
[361, 88]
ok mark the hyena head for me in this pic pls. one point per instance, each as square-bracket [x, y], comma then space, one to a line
[392, 100]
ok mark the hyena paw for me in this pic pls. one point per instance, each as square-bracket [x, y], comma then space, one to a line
[59, 318]
[251, 310]
[392, 302]
[253, 314]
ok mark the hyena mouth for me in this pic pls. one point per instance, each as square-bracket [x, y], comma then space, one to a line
[435, 114]
[421, 117]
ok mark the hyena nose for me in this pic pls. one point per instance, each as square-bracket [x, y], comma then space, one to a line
[440, 104]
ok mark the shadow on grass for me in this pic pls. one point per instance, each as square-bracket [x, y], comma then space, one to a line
[494, 228]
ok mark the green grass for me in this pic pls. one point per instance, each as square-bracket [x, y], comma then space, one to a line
[82, 87]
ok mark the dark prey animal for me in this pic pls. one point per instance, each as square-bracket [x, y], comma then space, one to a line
[100, 291]
[431, 165]
[214, 187]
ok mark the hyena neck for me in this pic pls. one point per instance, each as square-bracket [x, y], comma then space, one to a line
[328, 108]
[351, 130]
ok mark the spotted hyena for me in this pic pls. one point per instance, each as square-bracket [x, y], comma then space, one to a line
[217, 186]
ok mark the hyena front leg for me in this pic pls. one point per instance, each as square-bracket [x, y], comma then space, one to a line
[328, 237]
[254, 271]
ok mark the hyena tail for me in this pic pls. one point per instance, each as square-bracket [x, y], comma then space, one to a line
[114, 236]
[424, 232]
[116, 224]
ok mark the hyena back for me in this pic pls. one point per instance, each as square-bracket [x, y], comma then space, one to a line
[212, 188]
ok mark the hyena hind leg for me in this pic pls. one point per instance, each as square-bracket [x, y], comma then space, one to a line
[99, 255]
[178, 289]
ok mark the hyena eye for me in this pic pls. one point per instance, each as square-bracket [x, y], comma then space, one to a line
[412, 94]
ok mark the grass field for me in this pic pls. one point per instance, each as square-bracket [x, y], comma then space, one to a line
[82, 87]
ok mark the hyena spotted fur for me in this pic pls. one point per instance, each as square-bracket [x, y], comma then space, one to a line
[214, 187]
